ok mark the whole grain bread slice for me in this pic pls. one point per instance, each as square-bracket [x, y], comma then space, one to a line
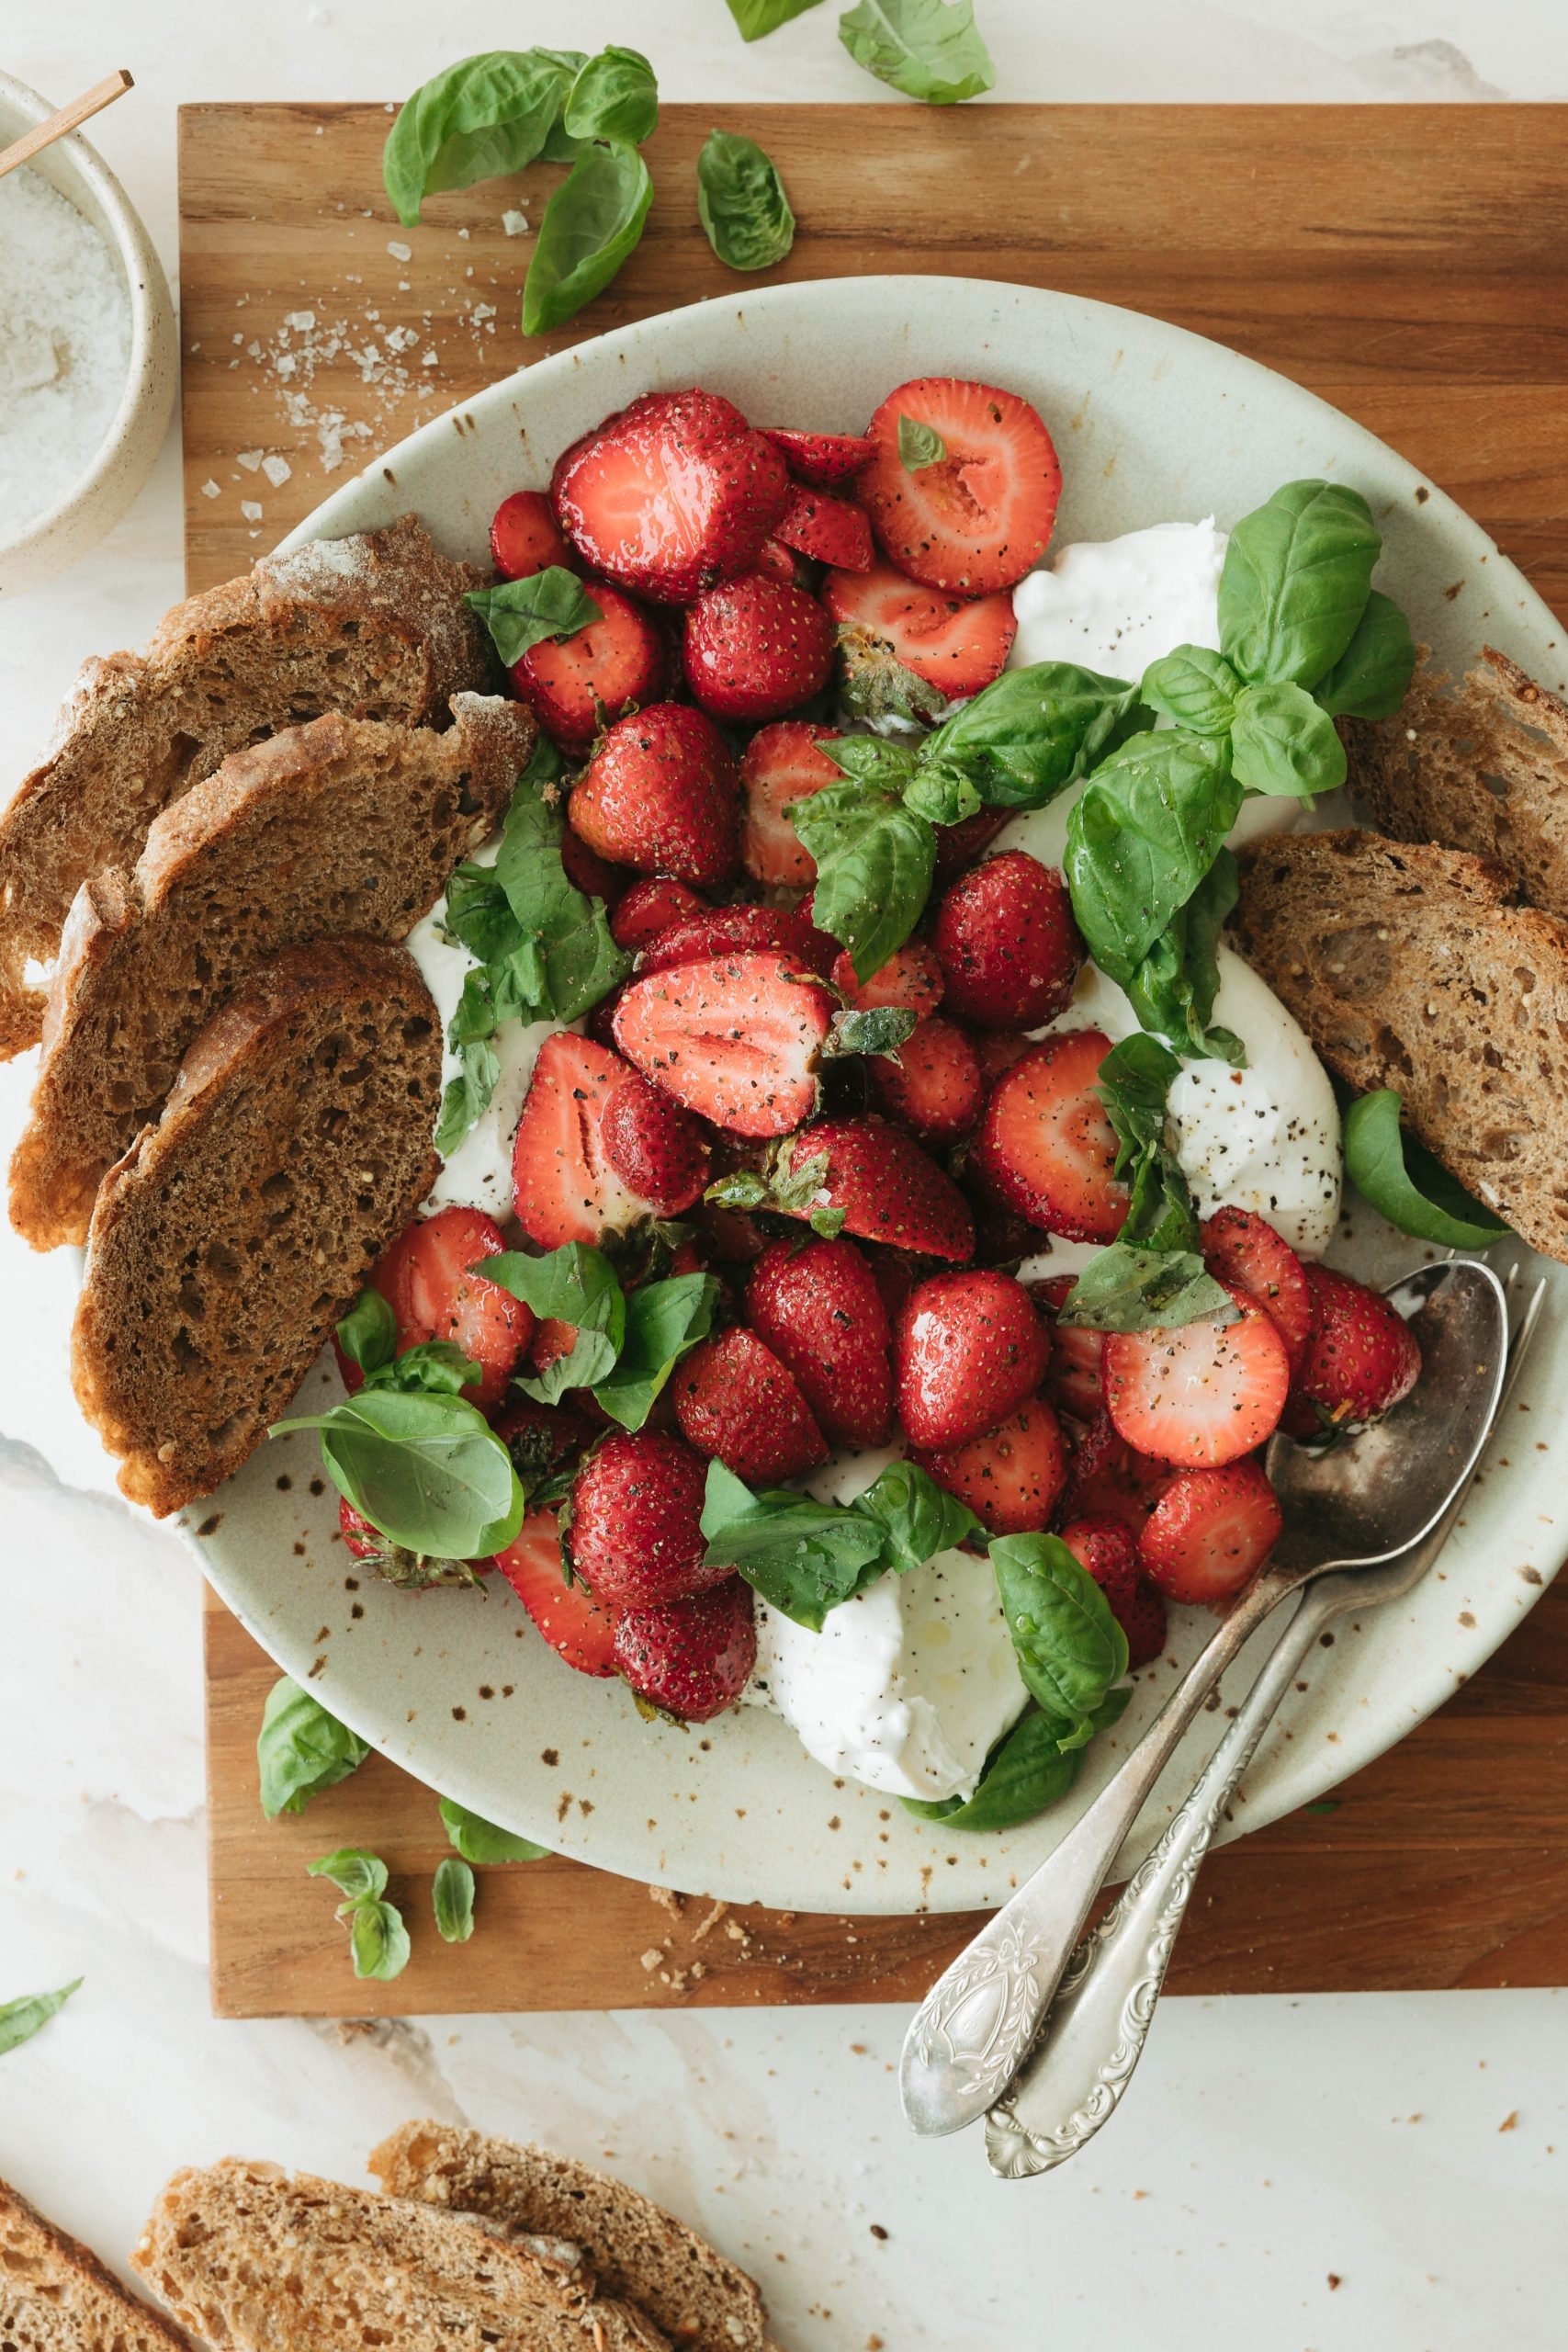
[373, 626]
[345, 826]
[231, 1237]
[56, 2296]
[1409, 967]
[639, 2252]
[1481, 767]
[257, 2262]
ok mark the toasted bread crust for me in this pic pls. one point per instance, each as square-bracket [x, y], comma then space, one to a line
[56, 2296]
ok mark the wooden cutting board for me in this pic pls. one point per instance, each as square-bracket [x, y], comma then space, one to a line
[1411, 265]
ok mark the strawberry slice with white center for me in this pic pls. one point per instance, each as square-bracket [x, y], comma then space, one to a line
[780, 765]
[824, 458]
[1211, 1531]
[1045, 1146]
[966, 496]
[956, 644]
[564, 1188]
[1200, 1395]
[735, 1039]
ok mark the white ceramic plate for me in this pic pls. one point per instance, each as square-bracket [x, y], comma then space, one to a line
[1152, 424]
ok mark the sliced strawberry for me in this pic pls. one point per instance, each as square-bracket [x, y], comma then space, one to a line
[911, 977]
[980, 514]
[1202, 1394]
[828, 529]
[1011, 1477]
[1142, 1620]
[886, 1186]
[967, 1349]
[825, 457]
[957, 846]
[660, 794]
[1046, 1145]
[655, 1147]
[1246, 1253]
[819, 1309]
[1109, 1476]
[785, 563]
[578, 684]
[735, 1039]
[692, 1659]
[426, 1280]
[1211, 1531]
[736, 1400]
[1008, 943]
[590, 873]
[634, 1532]
[650, 906]
[1106, 1549]
[708, 931]
[934, 1087]
[552, 1340]
[1075, 1376]
[525, 536]
[1359, 1358]
[563, 1187]
[755, 648]
[956, 644]
[670, 494]
[573, 1622]
[779, 765]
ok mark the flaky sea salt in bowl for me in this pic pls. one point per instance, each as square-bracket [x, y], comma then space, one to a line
[88, 353]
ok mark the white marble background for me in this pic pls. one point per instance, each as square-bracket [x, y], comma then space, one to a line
[1299, 2175]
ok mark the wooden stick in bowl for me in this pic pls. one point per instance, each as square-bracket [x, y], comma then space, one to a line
[43, 134]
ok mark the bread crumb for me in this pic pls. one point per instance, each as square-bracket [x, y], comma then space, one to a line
[1334, 2281]
[711, 1920]
[1509, 2121]
[667, 1900]
[652, 1958]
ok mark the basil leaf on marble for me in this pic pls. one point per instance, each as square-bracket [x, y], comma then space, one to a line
[427, 1469]
[614, 97]
[741, 202]
[301, 1749]
[479, 1841]
[591, 224]
[1401, 1179]
[1281, 740]
[1124, 1288]
[929, 49]
[523, 613]
[874, 862]
[1295, 581]
[755, 19]
[1372, 675]
[452, 1897]
[481, 118]
[1068, 1645]
[21, 2019]
[920, 445]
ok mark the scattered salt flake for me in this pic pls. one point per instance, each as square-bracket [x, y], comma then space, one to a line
[484, 309]
[300, 320]
[465, 232]
[250, 510]
[210, 490]
[651, 1959]
[278, 471]
[253, 351]
[398, 250]
[430, 359]
[514, 223]
[250, 459]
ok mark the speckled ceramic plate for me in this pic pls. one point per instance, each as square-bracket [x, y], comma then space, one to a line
[1152, 424]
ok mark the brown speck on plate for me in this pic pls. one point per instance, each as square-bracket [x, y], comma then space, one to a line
[210, 1526]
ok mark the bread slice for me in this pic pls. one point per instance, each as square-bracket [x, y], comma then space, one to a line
[1484, 768]
[1409, 967]
[253, 2260]
[56, 2296]
[373, 626]
[233, 1234]
[346, 826]
[639, 2252]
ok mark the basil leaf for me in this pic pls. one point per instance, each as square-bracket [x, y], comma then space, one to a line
[483, 117]
[872, 760]
[428, 1471]
[754, 18]
[1142, 836]
[591, 224]
[452, 1898]
[355, 1873]
[1032, 732]
[874, 862]
[479, 1841]
[1132, 1082]
[919, 1518]
[466, 1098]
[928, 49]
[574, 1285]
[1124, 1288]
[614, 97]
[662, 1321]
[1384, 1163]
[942, 797]
[1172, 989]
[479, 917]
[1069, 1648]
[918, 446]
[301, 1749]
[804, 1558]
[1296, 577]
[580, 961]
[741, 202]
[1282, 741]
[432, 1368]
[368, 1332]
[523, 613]
[880, 1029]
[1193, 687]
[1372, 675]
[21, 2019]
[377, 1939]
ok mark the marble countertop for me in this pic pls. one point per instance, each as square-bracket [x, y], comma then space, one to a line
[1349, 2171]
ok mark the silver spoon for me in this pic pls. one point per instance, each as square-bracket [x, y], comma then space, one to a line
[1355, 1506]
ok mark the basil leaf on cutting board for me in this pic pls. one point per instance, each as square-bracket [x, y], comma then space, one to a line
[301, 1749]
[479, 1841]
[523, 613]
[21, 2019]
[427, 1470]
[1399, 1178]
[756, 18]
[452, 1897]
[359, 1875]
[1295, 581]
[377, 1939]
[929, 49]
[481, 118]
[741, 202]
[1070, 1650]
[591, 222]
[614, 95]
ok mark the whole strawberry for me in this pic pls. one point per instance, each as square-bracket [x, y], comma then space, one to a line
[968, 1349]
[1008, 943]
[656, 1148]
[693, 1657]
[819, 1309]
[662, 794]
[634, 1533]
[735, 1400]
[756, 647]
[1359, 1358]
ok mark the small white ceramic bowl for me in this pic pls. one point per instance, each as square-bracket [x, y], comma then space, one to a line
[47, 542]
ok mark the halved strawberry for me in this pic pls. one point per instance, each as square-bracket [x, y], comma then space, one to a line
[735, 1039]
[911, 977]
[573, 1622]
[736, 1400]
[426, 1279]
[828, 529]
[655, 1147]
[670, 494]
[634, 1532]
[563, 1187]
[820, 1309]
[822, 456]
[691, 1659]
[1105, 1548]
[660, 794]
[577, 685]
[980, 514]
[1361, 1357]
[1008, 943]
[934, 1086]
[650, 906]
[967, 1349]
[708, 931]
[779, 765]
[1246, 1253]
[955, 643]
[1074, 1375]
[1199, 1395]
[1046, 1145]
[525, 536]
[1110, 1477]
[754, 647]
[1211, 1531]
[785, 564]
[1013, 1476]
[886, 1186]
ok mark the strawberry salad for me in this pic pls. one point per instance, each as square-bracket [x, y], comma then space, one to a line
[880, 1224]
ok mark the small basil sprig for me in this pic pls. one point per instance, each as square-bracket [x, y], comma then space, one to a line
[591, 223]
[301, 1749]
[1069, 1648]
[807, 1557]
[479, 1841]
[426, 1469]
[378, 1941]
[741, 202]
[754, 18]
[452, 1897]
[627, 1343]
[481, 118]
[1027, 1770]
[929, 49]
[523, 613]
[782, 1186]
[1401, 1179]
[21, 2019]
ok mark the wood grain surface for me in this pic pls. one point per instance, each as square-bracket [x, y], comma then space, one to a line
[1409, 263]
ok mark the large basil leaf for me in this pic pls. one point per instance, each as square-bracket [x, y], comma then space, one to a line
[1194, 688]
[1133, 1080]
[1021, 739]
[741, 202]
[479, 1841]
[452, 1895]
[591, 224]
[1026, 1770]
[1124, 1288]
[874, 862]
[1372, 675]
[754, 18]
[574, 1285]
[1282, 741]
[1404, 1183]
[1141, 837]
[1172, 990]
[523, 613]
[21, 2019]
[804, 1558]
[928, 49]
[614, 97]
[428, 1471]
[301, 1749]
[662, 1321]
[919, 1518]
[1295, 581]
[483, 117]
[1069, 1648]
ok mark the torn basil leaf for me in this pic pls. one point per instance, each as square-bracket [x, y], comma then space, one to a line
[614, 95]
[452, 1898]
[591, 223]
[523, 613]
[483, 117]
[479, 1841]
[21, 2019]
[1124, 1288]
[920, 445]
[1393, 1172]
[427, 1469]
